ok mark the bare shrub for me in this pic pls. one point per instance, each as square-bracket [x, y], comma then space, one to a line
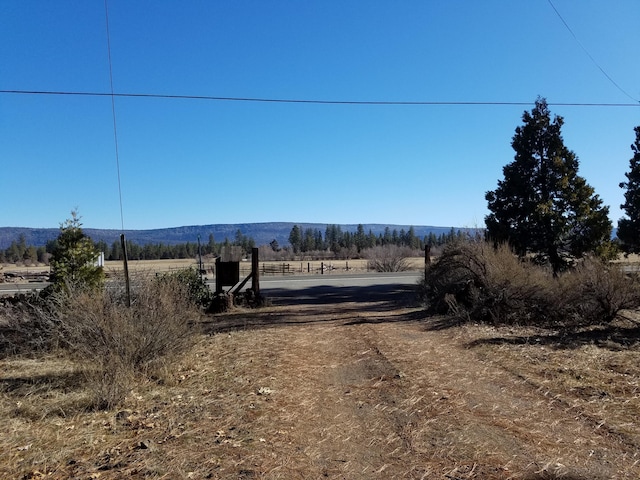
[594, 292]
[472, 280]
[388, 258]
[117, 344]
[28, 325]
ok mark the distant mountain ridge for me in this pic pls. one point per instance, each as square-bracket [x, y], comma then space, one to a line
[262, 233]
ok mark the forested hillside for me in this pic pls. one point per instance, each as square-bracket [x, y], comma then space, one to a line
[346, 240]
[262, 233]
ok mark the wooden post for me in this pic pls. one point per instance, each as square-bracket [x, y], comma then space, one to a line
[126, 268]
[218, 277]
[255, 271]
[322, 268]
[427, 257]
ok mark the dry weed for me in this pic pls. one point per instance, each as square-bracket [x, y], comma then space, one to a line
[389, 258]
[116, 342]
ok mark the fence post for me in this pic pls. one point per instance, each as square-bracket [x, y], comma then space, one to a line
[255, 271]
[218, 276]
[427, 257]
[123, 242]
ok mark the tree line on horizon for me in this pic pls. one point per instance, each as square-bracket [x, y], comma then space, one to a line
[20, 252]
[334, 240]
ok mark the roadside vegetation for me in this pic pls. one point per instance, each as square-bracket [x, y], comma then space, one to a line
[112, 337]
[474, 282]
[546, 257]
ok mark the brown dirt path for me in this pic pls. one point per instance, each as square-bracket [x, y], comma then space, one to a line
[354, 390]
[368, 394]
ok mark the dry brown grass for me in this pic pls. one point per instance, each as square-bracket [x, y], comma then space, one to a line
[343, 391]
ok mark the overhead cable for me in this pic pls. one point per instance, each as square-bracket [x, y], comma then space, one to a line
[113, 112]
[310, 101]
[575, 37]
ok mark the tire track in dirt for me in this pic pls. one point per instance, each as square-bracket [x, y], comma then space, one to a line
[363, 391]
[496, 421]
[392, 400]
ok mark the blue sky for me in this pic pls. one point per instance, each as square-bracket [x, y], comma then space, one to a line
[188, 162]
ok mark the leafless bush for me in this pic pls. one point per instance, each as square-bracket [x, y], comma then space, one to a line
[119, 343]
[474, 281]
[594, 292]
[266, 253]
[28, 325]
[388, 258]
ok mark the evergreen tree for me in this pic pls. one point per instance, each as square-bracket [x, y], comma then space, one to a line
[295, 239]
[102, 246]
[115, 253]
[629, 228]
[386, 239]
[211, 245]
[308, 240]
[542, 206]
[73, 260]
[360, 238]
[43, 256]
[30, 254]
[320, 244]
[412, 240]
[12, 253]
[333, 237]
[371, 239]
[22, 247]
[432, 239]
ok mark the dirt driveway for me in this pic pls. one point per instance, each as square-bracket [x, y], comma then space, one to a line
[353, 390]
[368, 390]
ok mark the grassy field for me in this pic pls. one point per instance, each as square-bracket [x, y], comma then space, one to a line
[270, 267]
[350, 390]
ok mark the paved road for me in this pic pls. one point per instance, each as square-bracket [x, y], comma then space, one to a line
[14, 288]
[329, 288]
[336, 288]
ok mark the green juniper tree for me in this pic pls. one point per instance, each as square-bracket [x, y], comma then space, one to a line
[73, 261]
[542, 206]
[629, 228]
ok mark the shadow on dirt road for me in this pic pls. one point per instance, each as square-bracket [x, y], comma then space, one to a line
[390, 295]
[324, 304]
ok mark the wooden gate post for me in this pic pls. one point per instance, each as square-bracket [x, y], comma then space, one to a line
[218, 277]
[427, 257]
[255, 272]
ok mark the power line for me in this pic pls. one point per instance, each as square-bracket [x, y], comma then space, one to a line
[308, 101]
[113, 112]
[588, 54]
